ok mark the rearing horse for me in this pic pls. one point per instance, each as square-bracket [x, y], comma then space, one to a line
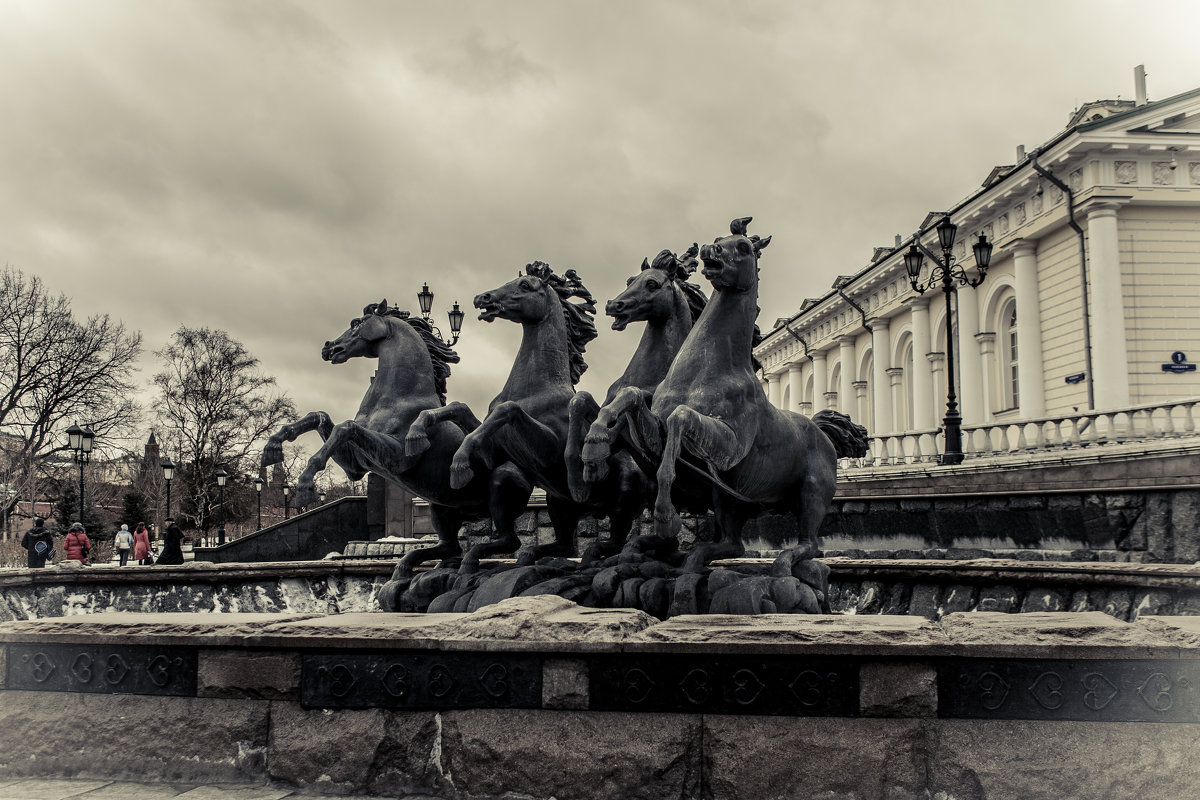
[522, 438]
[711, 409]
[413, 366]
[661, 296]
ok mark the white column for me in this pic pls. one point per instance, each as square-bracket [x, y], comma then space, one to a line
[795, 385]
[831, 401]
[881, 392]
[937, 364]
[846, 388]
[1110, 361]
[987, 360]
[924, 407]
[896, 387]
[861, 411]
[969, 365]
[765, 384]
[775, 389]
[1030, 381]
[820, 381]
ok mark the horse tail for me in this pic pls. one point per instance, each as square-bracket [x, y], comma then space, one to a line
[848, 437]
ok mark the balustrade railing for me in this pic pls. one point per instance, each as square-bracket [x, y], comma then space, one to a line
[1028, 437]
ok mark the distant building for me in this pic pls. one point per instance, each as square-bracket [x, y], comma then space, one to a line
[876, 349]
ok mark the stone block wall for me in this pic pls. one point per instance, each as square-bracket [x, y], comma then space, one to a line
[537, 699]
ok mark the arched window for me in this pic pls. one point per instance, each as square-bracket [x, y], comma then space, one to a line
[1006, 347]
[909, 376]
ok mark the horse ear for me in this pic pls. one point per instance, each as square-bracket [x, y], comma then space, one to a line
[382, 307]
[761, 244]
[738, 226]
[645, 265]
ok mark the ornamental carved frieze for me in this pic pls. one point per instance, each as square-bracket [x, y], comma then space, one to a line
[1003, 224]
[1056, 195]
[1162, 174]
[1126, 171]
[1019, 214]
[1037, 204]
[987, 231]
[1194, 172]
[1075, 179]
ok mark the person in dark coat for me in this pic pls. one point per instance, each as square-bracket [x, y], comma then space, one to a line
[172, 552]
[35, 536]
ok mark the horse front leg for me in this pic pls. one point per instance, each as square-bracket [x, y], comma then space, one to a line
[416, 441]
[630, 406]
[317, 421]
[533, 446]
[711, 439]
[564, 516]
[581, 413]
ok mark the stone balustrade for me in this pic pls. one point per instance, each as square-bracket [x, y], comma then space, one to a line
[1155, 426]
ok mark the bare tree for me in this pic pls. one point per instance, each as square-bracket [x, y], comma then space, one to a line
[216, 409]
[56, 370]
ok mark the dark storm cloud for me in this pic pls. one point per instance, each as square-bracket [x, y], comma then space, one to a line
[271, 167]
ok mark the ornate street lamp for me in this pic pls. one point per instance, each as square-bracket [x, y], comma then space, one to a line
[456, 315]
[258, 484]
[168, 472]
[286, 489]
[222, 476]
[321, 497]
[949, 275]
[80, 441]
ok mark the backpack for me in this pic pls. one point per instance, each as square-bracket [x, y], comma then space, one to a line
[45, 550]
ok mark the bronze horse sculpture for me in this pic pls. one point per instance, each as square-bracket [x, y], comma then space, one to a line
[710, 414]
[661, 296]
[521, 441]
[413, 367]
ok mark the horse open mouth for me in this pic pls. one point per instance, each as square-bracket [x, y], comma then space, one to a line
[620, 321]
[488, 311]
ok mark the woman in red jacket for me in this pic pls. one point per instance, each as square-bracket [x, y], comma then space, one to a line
[77, 544]
[141, 543]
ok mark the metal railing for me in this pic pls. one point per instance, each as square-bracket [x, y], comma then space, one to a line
[1149, 424]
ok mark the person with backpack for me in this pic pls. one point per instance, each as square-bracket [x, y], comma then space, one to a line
[141, 545]
[40, 544]
[123, 541]
[77, 544]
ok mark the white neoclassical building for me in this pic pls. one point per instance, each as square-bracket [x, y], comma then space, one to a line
[1091, 302]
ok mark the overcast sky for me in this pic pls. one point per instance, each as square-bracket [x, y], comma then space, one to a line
[269, 168]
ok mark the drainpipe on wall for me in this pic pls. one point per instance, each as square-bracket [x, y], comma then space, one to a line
[1083, 281]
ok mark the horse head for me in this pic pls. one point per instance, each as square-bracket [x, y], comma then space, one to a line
[650, 295]
[731, 262]
[362, 338]
[527, 298]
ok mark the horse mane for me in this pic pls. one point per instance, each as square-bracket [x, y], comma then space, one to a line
[678, 269]
[580, 327]
[441, 355]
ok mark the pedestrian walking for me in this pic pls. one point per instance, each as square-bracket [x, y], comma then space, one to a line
[40, 544]
[172, 552]
[141, 545]
[123, 541]
[77, 544]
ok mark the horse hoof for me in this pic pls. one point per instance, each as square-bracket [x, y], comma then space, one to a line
[272, 454]
[390, 593]
[415, 444]
[594, 472]
[667, 526]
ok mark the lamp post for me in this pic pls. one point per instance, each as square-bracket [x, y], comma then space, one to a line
[168, 469]
[286, 489]
[80, 441]
[222, 476]
[949, 275]
[456, 314]
[321, 497]
[258, 484]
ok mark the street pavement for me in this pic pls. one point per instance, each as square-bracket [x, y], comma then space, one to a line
[58, 789]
